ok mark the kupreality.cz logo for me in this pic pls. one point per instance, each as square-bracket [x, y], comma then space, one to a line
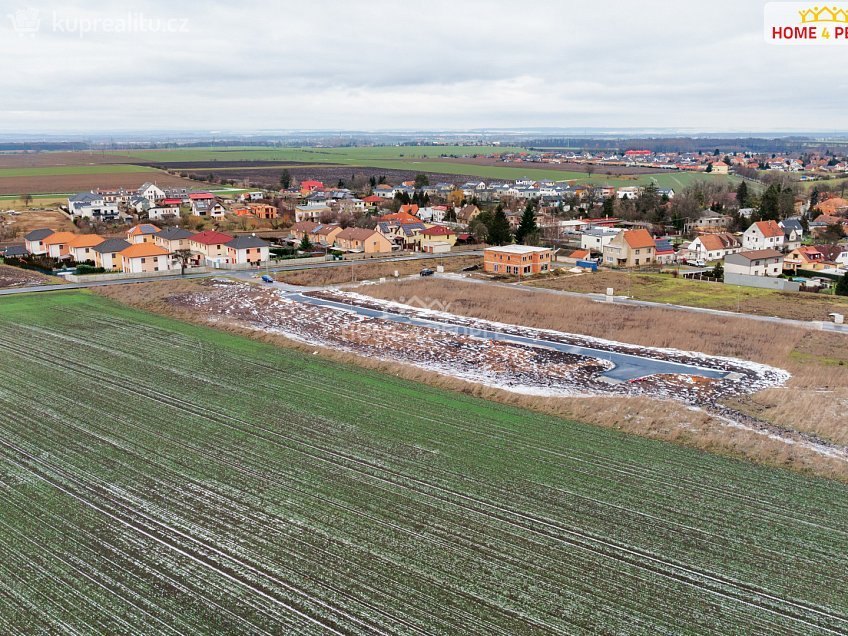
[805, 23]
[27, 22]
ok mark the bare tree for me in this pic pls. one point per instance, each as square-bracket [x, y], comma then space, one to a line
[183, 256]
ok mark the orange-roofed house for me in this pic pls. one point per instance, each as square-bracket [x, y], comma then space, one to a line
[143, 258]
[631, 248]
[82, 247]
[409, 208]
[400, 218]
[763, 235]
[142, 233]
[714, 247]
[58, 244]
[719, 167]
[833, 206]
[361, 240]
[806, 257]
[259, 210]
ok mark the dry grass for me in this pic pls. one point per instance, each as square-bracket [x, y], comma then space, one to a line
[17, 277]
[359, 270]
[665, 288]
[817, 360]
[668, 421]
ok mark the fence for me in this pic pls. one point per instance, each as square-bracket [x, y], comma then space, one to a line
[94, 278]
[762, 282]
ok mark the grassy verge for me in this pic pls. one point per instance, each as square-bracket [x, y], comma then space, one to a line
[665, 288]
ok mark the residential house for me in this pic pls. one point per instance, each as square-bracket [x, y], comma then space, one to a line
[767, 262]
[793, 233]
[665, 254]
[630, 248]
[436, 239]
[806, 258]
[355, 239]
[142, 233]
[14, 251]
[837, 254]
[719, 167]
[204, 204]
[34, 241]
[707, 221]
[467, 213]
[209, 248]
[81, 248]
[325, 234]
[151, 192]
[108, 254]
[173, 239]
[518, 260]
[713, 247]
[763, 235]
[570, 257]
[594, 239]
[92, 205]
[143, 258]
[259, 210]
[249, 250]
[163, 212]
[310, 212]
[301, 229]
[58, 244]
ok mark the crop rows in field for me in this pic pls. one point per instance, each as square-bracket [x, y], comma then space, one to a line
[163, 478]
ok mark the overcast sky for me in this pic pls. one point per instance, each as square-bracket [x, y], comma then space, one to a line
[367, 65]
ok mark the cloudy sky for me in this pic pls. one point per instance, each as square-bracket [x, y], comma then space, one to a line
[370, 64]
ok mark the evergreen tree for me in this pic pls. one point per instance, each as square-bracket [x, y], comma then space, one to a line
[527, 232]
[421, 180]
[609, 206]
[842, 286]
[742, 196]
[285, 179]
[305, 245]
[499, 233]
[770, 203]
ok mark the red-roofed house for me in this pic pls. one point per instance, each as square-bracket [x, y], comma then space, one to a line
[310, 185]
[436, 239]
[209, 247]
[763, 235]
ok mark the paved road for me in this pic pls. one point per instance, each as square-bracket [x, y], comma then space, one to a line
[627, 366]
[242, 274]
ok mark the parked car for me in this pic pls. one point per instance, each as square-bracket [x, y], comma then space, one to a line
[426, 272]
[696, 262]
[267, 279]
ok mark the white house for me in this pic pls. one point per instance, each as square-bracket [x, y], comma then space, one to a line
[91, 205]
[763, 235]
[595, 239]
[163, 212]
[713, 247]
[310, 212]
[151, 192]
[767, 262]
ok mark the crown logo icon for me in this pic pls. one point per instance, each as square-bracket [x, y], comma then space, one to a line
[25, 22]
[823, 14]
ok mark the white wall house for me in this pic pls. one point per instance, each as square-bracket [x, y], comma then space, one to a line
[91, 205]
[763, 235]
[151, 192]
[755, 263]
[596, 239]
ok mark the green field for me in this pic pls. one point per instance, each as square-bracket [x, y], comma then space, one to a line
[415, 159]
[158, 477]
[60, 170]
